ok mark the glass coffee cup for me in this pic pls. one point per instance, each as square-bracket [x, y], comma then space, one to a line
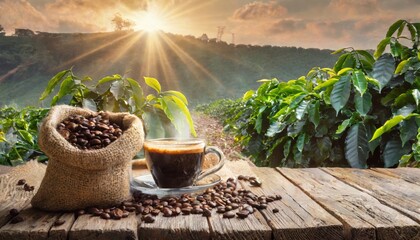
[177, 163]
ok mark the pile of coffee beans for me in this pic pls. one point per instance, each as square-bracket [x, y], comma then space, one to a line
[224, 197]
[91, 132]
[26, 186]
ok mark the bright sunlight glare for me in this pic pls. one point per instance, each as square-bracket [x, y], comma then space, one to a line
[150, 21]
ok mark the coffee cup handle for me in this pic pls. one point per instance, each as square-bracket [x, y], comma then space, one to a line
[215, 168]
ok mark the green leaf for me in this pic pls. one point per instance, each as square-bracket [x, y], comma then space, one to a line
[258, 121]
[294, 129]
[343, 126]
[383, 70]
[349, 62]
[275, 127]
[359, 81]
[338, 51]
[400, 66]
[393, 152]
[416, 96]
[366, 55]
[413, 31]
[338, 65]
[373, 81]
[137, 95]
[370, 129]
[89, 104]
[248, 95]
[340, 93]
[396, 25]
[26, 136]
[52, 83]
[401, 29]
[363, 103]
[286, 148]
[117, 89]
[388, 125]
[66, 87]
[408, 130]
[153, 83]
[381, 47]
[300, 143]
[176, 94]
[344, 71]
[356, 146]
[327, 83]
[181, 105]
[301, 109]
[108, 79]
[314, 113]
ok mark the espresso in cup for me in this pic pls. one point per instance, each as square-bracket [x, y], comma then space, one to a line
[176, 163]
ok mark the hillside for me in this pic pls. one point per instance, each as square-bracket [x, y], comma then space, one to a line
[203, 70]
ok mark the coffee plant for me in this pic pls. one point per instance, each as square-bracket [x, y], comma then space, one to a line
[19, 134]
[363, 112]
[117, 93]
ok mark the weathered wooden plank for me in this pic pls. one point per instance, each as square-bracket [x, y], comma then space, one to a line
[36, 225]
[363, 216]
[91, 227]
[60, 232]
[179, 227]
[299, 217]
[411, 175]
[252, 227]
[393, 192]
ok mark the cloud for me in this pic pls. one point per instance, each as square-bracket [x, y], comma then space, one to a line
[259, 10]
[350, 8]
[287, 25]
[29, 17]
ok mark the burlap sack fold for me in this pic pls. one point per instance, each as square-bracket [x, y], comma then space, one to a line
[76, 179]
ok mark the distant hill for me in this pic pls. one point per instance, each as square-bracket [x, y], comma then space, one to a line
[203, 70]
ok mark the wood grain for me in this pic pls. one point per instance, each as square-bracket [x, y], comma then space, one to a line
[299, 217]
[179, 227]
[61, 232]
[253, 227]
[394, 192]
[363, 216]
[411, 175]
[91, 227]
[36, 225]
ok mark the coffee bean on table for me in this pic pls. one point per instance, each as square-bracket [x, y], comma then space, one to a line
[207, 213]
[13, 212]
[275, 210]
[105, 215]
[243, 213]
[148, 219]
[16, 219]
[59, 222]
[21, 182]
[229, 214]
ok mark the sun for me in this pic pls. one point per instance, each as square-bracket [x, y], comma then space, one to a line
[151, 21]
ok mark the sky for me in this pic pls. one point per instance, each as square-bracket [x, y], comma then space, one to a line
[324, 24]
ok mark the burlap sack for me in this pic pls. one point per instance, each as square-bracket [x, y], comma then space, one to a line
[76, 179]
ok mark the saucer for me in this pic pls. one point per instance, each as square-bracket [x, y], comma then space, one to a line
[147, 185]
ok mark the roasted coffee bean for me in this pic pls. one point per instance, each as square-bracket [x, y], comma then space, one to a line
[16, 219]
[80, 212]
[186, 210]
[167, 212]
[13, 212]
[59, 222]
[275, 210]
[256, 182]
[125, 214]
[155, 212]
[221, 209]
[90, 132]
[229, 214]
[278, 197]
[21, 182]
[206, 213]
[105, 215]
[148, 219]
[243, 213]
[117, 213]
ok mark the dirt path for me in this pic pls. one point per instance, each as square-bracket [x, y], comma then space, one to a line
[212, 130]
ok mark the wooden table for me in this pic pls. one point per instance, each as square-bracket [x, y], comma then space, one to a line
[317, 203]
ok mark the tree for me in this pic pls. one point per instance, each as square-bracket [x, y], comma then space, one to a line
[121, 24]
[2, 31]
